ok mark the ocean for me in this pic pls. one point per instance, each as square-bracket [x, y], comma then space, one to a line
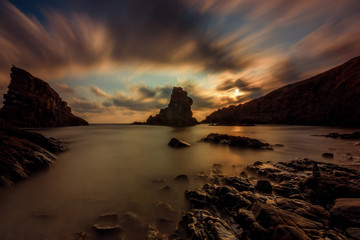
[121, 168]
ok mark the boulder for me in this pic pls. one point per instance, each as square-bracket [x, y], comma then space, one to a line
[178, 113]
[327, 155]
[346, 211]
[182, 178]
[235, 141]
[31, 102]
[176, 143]
[263, 186]
[107, 222]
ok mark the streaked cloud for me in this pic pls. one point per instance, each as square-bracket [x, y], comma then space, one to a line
[235, 50]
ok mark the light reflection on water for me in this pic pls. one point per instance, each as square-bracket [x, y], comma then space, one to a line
[111, 168]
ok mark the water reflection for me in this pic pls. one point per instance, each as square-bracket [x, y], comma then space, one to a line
[113, 168]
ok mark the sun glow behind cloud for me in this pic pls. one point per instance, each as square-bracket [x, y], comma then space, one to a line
[117, 62]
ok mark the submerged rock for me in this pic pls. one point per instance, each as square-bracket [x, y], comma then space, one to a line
[178, 113]
[31, 102]
[349, 136]
[182, 178]
[235, 141]
[107, 222]
[176, 143]
[327, 155]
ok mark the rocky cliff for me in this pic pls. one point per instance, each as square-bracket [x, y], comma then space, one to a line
[23, 152]
[178, 113]
[330, 98]
[31, 102]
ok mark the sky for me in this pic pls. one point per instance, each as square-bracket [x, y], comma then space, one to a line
[116, 61]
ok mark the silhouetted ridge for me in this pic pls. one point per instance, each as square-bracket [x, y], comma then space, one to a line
[330, 98]
[31, 102]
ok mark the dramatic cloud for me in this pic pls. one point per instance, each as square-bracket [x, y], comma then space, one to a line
[232, 50]
[85, 106]
[64, 89]
[237, 84]
[98, 92]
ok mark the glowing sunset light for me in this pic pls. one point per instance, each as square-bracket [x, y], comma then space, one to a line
[111, 65]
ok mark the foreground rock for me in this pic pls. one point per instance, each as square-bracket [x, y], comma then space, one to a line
[234, 141]
[304, 203]
[348, 136]
[178, 113]
[31, 102]
[22, 153]
[330, 98]
[107, 222]
[176, 143]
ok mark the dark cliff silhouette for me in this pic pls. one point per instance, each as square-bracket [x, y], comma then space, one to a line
[178, 113]
[31, 102]
[330, 98]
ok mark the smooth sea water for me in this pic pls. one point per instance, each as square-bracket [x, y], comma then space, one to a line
[121, 168]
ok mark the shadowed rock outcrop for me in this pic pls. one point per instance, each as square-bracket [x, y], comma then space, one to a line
[23, 152]
[303, 205]
[178, 113]
[31, 102]
[330, 98]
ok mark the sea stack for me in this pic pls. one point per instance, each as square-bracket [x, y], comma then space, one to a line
[178, 113]
[31, 102]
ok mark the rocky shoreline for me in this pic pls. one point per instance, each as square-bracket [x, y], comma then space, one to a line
[300, 199]
[23, 153]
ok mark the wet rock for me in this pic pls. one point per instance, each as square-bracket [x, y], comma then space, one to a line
[182, 178]
[316, 171]
[240, 184]
[284, 232]
[235, 141]
[31, 102]
[176, 143]
[353, 233]
[23, 153]
[347, 211]
[178, 113]
[327, 155]
[107, 222]
[217, 168]
[166, 189]
[201, 224]
[349, 136]
[263, 186]
[154, 233]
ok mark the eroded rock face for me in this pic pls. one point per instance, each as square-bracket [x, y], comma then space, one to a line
[22, 153]
[31, 102]
[178, 113]
[330, 98]
[303, 205]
